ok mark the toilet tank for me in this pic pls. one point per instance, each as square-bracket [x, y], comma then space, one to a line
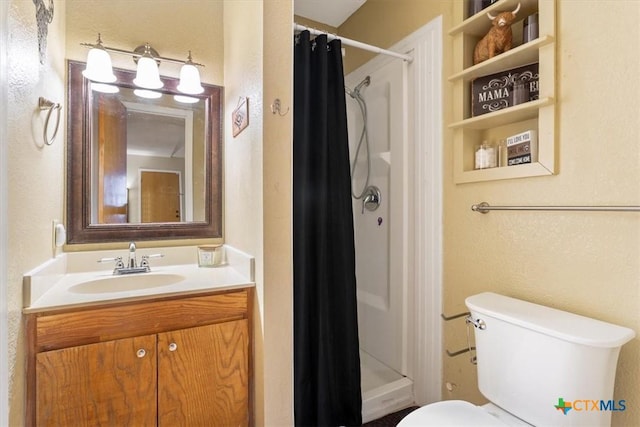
[532, 359]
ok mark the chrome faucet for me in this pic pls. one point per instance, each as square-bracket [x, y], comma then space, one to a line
[131, 266]
[133, 262]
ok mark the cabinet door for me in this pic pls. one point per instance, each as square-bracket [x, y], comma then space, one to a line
[110, 383]
[203, 376]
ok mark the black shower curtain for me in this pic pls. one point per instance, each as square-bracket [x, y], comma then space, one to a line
[326, 358]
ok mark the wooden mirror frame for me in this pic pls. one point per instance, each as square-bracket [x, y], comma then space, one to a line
[79, 227]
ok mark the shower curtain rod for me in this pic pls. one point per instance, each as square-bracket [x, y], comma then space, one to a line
[353, 43]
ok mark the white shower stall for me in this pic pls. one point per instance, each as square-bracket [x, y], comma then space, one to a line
[381, 259]
[399, 345]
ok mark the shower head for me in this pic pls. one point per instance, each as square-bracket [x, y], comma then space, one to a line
[365, 82]
[356, 91]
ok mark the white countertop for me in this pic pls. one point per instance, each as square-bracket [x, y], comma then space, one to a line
[48, 287]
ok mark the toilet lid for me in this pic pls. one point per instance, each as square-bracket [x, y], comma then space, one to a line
[450, 413]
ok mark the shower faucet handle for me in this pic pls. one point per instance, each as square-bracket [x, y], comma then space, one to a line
[372, 199]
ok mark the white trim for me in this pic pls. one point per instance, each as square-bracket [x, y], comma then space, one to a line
[427, 126]
[4, 213]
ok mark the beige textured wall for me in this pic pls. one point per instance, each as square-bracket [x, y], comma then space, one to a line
[258, 65]
[277, 190]
[243, 154]
[244, 226]
[35, 173]
[588, 263]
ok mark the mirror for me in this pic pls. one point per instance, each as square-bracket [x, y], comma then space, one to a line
[141, 168]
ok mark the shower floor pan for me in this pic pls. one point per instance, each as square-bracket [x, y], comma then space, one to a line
[384, 391]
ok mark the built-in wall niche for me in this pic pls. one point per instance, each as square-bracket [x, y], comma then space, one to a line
[470, 131]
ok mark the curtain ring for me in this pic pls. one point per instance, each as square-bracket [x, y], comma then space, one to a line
[45, 104]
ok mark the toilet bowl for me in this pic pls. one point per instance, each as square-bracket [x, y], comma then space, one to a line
[451, 413]
[532, 362]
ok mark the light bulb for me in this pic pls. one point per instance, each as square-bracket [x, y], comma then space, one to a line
[147, 74]
[190, 78]
[99, 67]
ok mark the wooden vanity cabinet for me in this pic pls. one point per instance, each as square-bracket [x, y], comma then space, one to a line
[99, 384]
[187, 365]
[207, 383]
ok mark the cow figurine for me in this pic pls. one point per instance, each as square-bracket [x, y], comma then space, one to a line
[499, 37]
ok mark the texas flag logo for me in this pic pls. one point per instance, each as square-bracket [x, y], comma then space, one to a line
[563, 406]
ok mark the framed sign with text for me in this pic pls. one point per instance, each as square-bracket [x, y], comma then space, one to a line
[495, 91]
[240, 117]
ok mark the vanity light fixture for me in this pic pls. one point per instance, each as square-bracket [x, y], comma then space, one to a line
[147, 74]
[190, 78]
[99, 68]
[99, 64]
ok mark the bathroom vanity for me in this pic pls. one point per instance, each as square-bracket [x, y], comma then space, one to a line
[141, 357]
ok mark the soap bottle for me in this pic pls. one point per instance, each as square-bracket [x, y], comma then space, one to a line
[485, 156]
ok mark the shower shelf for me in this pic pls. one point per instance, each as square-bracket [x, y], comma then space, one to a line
[386, 156]
[469, 132]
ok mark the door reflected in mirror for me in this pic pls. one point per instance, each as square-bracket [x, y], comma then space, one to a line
[142, 164]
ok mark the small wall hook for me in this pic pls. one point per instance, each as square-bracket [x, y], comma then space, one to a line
[276, 108]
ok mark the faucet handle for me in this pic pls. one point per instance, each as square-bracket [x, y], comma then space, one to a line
[110, 259]
[154, 256]
[144, 261]
[117, 260]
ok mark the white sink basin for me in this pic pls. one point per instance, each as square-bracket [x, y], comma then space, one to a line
[75, 279]
[126, 283]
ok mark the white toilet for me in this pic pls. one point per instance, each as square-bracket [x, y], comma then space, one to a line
[537, 366]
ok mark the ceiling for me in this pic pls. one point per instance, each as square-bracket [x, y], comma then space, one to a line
[329, 12]
[155, 135]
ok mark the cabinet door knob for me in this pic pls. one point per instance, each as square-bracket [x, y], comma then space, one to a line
[141, 352]
[173, 346]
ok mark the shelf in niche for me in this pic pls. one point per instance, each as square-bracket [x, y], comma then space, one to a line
[540, 114]
[506, 172]
[479, 24]
[516, 57]
[518, 113]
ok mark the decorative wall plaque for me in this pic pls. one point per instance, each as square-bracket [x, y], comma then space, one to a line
[494, 92]
[44, 17]
[240, 116]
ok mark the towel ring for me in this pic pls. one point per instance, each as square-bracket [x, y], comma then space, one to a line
[45, 104]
